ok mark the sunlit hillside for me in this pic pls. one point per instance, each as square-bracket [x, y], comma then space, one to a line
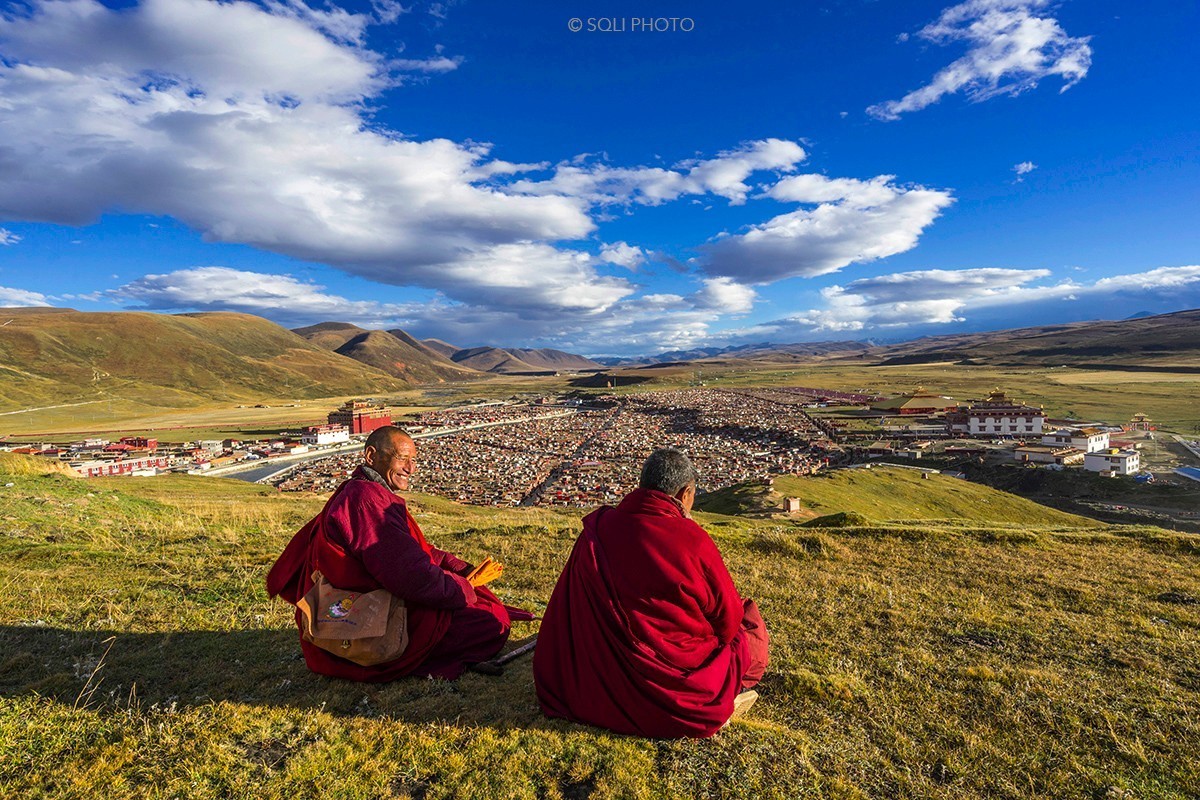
[54, 356]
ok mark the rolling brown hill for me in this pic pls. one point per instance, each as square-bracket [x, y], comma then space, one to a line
[438, 346]
[330, 335]
[393, 352]
[419, 345]
[1165, 341]
[493, 359]
[54, 356]
[546, 358]
[385, 351]
[515, 360]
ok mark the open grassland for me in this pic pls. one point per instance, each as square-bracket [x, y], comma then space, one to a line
[178, 425]
[1096, 395]
[887, 493]
[1100, 395]
[141, 658]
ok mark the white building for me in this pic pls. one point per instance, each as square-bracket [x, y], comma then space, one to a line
[1048, 454]
[321, 435]
[997, 416]
[97, 469]
[1089, 440]
[1113, 462]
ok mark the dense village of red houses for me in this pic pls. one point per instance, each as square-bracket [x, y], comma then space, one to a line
[914, 422]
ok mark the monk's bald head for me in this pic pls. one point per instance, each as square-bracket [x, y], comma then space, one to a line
[387, 439]
[393, 454]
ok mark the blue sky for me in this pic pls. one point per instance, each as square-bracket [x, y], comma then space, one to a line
[482, 173]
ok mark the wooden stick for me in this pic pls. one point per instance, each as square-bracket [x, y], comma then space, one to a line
[496, 665]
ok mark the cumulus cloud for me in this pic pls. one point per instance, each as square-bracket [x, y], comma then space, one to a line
[248, 124]
[725, 295]
[281, 298]
[853, 221]
[17, 298]
[623, 255]
[724, 176]
[8, 238]
[925, 296]
[1013, 45]
[939, 297]
[638, 324]
[252, 124]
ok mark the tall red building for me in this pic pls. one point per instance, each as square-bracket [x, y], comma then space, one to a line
[360, 416]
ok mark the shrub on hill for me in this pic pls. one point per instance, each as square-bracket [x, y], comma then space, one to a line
[19, 464]
[842, 519]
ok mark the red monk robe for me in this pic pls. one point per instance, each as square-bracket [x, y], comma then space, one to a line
[645, 633]
[365, 539]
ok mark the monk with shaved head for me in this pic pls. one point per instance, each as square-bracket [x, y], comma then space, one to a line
[365, 539]
[645, 633]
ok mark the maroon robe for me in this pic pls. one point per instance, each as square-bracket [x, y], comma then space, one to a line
[365, 539]
[645, 633]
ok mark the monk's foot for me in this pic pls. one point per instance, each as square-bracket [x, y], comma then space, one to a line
[742, 703]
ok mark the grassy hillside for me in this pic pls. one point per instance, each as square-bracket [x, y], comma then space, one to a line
[142, 658]
[1164, 341]
[168, 360]
[886, 494]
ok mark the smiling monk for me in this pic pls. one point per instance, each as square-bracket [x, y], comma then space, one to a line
[645, 632]
[364, 540]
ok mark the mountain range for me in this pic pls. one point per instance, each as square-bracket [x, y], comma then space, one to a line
[54, 356]
[432, 360]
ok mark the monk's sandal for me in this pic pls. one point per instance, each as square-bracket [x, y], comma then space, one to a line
[741, 704]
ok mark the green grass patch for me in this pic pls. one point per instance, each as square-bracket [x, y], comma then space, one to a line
[885, 493]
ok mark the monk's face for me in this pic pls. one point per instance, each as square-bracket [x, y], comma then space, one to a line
[395, 465]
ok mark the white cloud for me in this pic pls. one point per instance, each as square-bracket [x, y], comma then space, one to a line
[278, 297]
[1163, 279]
[937, 297]
[724, 176]
[642, 324]
[925, 296]
[20, 297]
[248, 124]
[1024, 168]
[853, 222]
[1012, 46]
[725, 295]
[388, 11]
[437, 64]
[8, 238]
[252, 124]
[623, 255]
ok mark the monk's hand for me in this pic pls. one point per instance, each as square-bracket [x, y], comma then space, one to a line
[485, 573]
